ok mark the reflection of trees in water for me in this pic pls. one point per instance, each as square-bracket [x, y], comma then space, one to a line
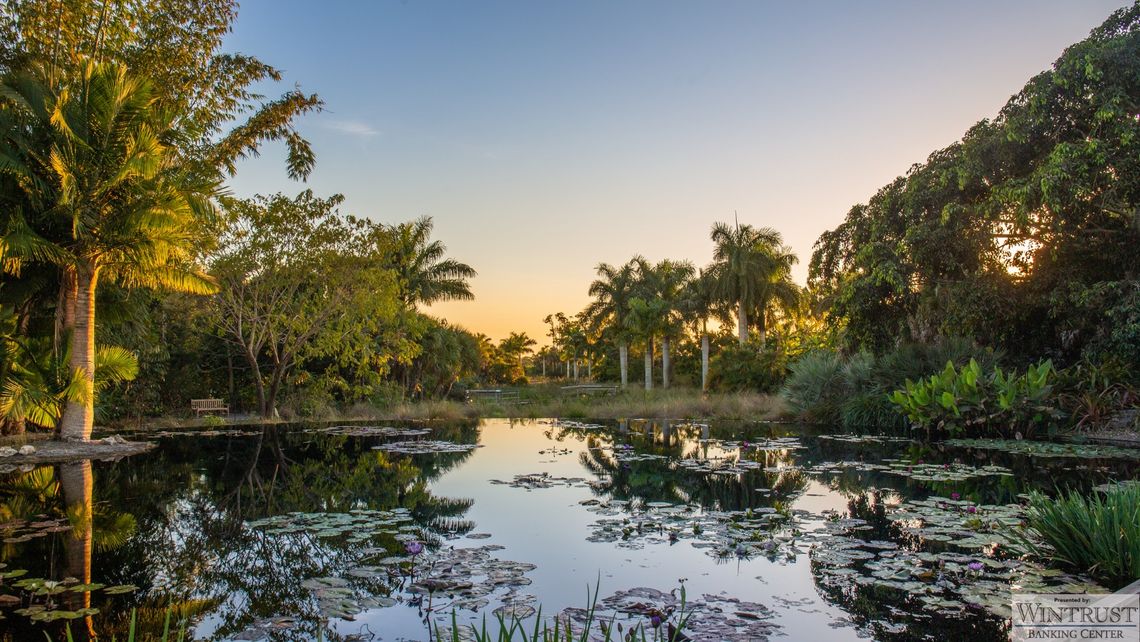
[194, 548]
[664, 479]
[66, 491]
[889, 612]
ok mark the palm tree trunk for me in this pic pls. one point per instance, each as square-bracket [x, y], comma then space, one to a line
[649, 364]
[623, 359]
[741, 323]
[575, 369]
[664, 362]
[65, 309]
[79, 416]
[704, 362]
[590, 369]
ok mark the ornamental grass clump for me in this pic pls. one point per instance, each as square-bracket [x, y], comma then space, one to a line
[1098, 534]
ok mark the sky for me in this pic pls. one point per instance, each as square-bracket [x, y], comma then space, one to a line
[544, 138]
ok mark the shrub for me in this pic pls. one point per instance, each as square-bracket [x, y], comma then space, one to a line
[816, 387]
[740, 368]
[971, 401]
[1099, 534]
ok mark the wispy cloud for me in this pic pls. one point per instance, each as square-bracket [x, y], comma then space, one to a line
[351, 127]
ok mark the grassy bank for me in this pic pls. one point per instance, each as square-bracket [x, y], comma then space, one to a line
[544, 401]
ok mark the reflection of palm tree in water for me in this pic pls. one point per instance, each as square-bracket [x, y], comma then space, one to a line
[67, 491]
[78, 484]
[665, 480]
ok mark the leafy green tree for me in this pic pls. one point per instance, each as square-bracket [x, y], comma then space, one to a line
[1020, 235]
[299, 281]
[754, 273]
[219, 117]
[118, 202]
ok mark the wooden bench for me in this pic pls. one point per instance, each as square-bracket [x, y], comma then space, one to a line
[200, 406]
[590, 390]
[496, 394]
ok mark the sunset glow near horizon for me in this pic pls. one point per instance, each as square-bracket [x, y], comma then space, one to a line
[546, 138]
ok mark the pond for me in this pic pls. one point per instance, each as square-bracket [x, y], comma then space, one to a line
[387, 532]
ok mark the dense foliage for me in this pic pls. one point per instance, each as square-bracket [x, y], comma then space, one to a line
[1022, 235]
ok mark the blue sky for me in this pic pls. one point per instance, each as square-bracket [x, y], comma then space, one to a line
[545, 137]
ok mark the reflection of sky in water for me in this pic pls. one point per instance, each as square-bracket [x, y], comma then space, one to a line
[206, 508]
[549, 527]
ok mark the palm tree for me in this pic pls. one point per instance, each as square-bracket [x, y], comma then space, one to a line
[516, 346]
[699, 302]
[754, 272]
[119, 205]
[668, 278]
[612, 291]
[424, 275]
[645, 320]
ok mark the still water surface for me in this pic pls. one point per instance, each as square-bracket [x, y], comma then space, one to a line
[382, 532]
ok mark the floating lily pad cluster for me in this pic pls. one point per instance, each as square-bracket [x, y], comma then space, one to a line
[468, 579]
[865, 439]
[946, 582]
[953, 472]
[762, 445]
[574, 425]
[709, 618]
[1048, 448]
[206, 433]
[356, 526]
[19, 530]
[761, 532]
[371, 431]
[425, 447]
[43, 600]
[442, 580]
[543, 480]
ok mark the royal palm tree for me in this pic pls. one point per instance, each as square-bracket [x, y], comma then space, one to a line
[116, 202]
[612, 291]
[423, 274]
[754, 273]
[699, 303]
[646, 319]
[667, 279]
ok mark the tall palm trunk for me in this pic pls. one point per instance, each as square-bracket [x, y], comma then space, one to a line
[79, 416]
[741, 323]
[65, 309]
[575, 368]
[78, 483]
[590, 369]
[664, 362]
[649, 364]
[705, 361]
[623, 359]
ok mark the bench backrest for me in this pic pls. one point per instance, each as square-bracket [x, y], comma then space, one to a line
[206, 404]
